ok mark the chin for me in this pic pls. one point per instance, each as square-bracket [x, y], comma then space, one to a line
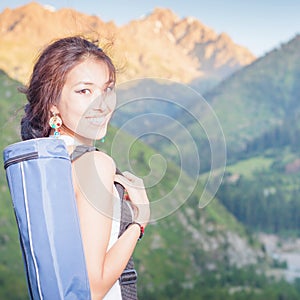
[93, 133]
[100, 135]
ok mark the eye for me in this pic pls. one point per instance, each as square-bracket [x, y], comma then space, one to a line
[109, 88]
[84, 91]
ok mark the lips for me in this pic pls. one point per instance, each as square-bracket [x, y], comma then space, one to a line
[96, 120]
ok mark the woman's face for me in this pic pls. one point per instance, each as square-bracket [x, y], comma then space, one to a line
[88, 100]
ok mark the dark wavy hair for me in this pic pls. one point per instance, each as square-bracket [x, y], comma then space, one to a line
[48, 78]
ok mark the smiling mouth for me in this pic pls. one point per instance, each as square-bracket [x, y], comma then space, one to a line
[97, 120]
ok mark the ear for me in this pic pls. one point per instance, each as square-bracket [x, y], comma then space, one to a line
[54, 109]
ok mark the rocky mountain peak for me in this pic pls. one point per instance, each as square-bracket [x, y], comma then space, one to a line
[158, 45]
[164, 15]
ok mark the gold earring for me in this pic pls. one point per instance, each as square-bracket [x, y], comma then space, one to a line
[55, 122]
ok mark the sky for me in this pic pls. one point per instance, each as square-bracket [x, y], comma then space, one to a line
[259, 25]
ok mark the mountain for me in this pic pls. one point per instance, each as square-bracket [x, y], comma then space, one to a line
[186, 44]
[254, 109]
[257, 109]
[158, 45]
[25, 30]
[261, 101]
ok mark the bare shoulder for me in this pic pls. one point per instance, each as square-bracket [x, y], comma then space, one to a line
[94, 174]
[104, 162]
[99, 162]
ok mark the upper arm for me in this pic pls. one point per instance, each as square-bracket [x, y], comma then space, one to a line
[93, 176]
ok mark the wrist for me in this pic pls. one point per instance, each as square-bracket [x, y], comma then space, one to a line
[142, 228]
[142, 215]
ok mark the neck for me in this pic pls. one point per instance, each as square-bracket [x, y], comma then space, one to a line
[76, 137]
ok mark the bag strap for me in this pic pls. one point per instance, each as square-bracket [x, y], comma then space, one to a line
[128, 278]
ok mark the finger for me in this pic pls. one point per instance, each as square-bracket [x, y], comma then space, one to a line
[129, 175]
[121, 179]
[130, 180]
[124, 181]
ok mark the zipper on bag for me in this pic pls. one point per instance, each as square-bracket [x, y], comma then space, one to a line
[19, 158]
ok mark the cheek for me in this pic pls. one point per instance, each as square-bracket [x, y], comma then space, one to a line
[112, 103]
[70, 112]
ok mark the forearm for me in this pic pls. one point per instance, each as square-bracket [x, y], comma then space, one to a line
[117, 258]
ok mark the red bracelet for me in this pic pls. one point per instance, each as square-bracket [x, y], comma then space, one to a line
[142, 229]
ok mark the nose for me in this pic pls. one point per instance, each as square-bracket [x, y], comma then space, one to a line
[100, 104]
[105, 102]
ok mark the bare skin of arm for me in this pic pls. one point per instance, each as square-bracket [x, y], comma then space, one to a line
[93, 177]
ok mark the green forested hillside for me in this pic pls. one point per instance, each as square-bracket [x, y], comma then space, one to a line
[263, 192]
[11, 270]
[171, 118]
[258, 106]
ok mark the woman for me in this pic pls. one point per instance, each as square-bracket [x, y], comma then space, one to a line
[71, 96]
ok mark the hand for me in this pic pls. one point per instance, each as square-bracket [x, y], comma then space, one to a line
[137, 194]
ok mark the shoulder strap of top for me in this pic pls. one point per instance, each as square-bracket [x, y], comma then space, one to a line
[80, 150]
[128, 278]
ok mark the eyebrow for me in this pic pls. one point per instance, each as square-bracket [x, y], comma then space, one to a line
[91, 83]
[83, 82]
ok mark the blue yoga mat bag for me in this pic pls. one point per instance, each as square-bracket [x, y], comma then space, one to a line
[40, 181]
